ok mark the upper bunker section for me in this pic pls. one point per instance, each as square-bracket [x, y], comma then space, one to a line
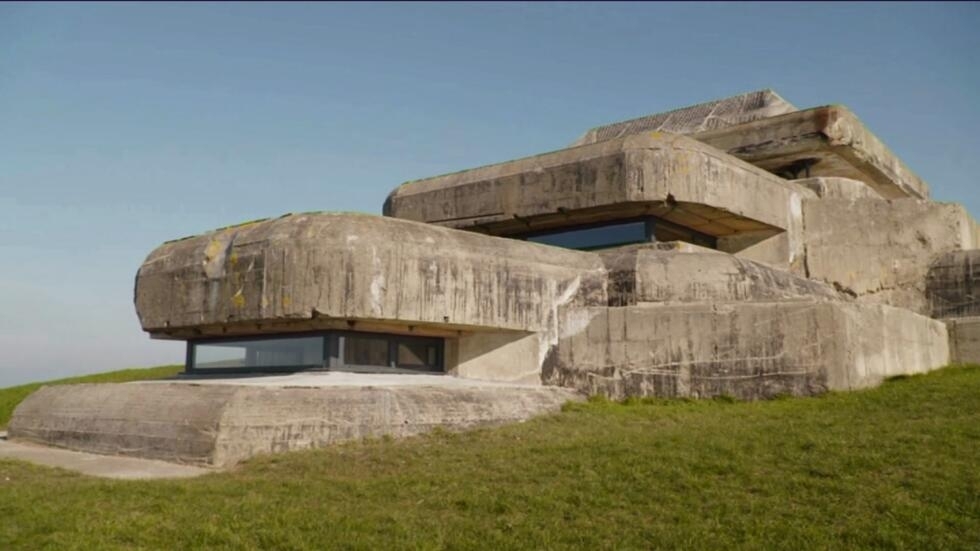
[315, 271]
[674, 178]
[710, 115]
[824, 141]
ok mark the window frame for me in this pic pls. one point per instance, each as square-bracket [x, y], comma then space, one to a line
[333, 353]
[650, 225]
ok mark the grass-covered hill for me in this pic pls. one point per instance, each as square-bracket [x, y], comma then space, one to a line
[894, 467]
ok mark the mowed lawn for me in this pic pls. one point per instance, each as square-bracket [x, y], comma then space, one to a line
[894, 467]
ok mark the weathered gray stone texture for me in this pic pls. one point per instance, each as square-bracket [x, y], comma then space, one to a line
[880, 251]
[654, 274]
[838, 188]
[953, 285]
[746, 350]
[964, 340]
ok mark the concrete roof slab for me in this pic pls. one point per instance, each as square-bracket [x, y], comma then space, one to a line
[324, 271]
[824, 141]
[623, 177]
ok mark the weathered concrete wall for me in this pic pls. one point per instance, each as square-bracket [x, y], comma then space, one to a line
[838, 188]
[710, 115]
[344, 266]
[221, 425]
[653, 273]
[747, 350]
[499, 356]
[824, 141]
[964, 340]
[953, 285]
[880, 251]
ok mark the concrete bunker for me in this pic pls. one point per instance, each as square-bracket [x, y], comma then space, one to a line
[675, 255]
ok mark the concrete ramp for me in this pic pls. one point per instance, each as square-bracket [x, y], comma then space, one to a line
[219, 424]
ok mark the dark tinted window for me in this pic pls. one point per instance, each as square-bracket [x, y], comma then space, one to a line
[417, 354]
[336, 350]
[598, 237]
[368, 350]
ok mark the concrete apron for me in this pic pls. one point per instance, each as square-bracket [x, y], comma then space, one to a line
[104, 466]
[217, 423]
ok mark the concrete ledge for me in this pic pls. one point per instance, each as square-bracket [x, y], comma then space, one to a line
[824, 141]
[650, 274]
[832, 187]
[669, 176]
[746, 350]
[219, 425]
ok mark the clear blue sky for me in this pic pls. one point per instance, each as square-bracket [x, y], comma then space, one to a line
[122, 126]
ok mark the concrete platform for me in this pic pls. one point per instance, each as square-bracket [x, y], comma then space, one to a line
[824, 141]
[218, 423]
[104, 466]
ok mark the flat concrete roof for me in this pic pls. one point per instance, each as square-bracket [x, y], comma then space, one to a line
[710, 115]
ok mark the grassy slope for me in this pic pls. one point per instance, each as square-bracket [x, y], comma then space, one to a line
[894, 467]
[10, 397]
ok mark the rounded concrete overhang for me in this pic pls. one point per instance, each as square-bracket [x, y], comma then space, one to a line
[306, 271]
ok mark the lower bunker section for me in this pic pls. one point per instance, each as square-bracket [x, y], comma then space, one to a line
[744, 350]
[221, 423]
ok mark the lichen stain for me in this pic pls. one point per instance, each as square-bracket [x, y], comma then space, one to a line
[238, 299]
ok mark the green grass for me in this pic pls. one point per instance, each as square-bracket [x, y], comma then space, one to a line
[894, 467]
[10, 397]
